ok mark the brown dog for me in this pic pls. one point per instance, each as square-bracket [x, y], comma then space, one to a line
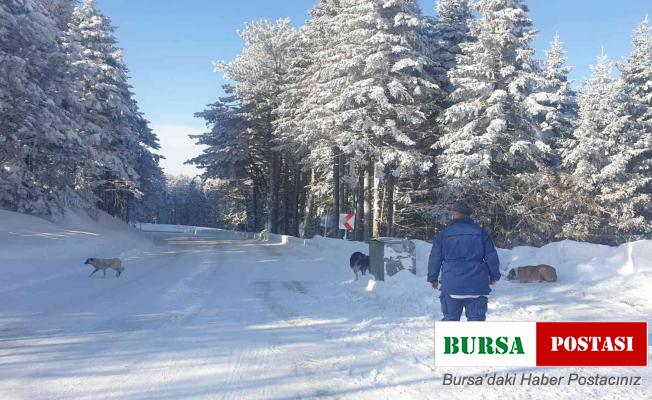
[104, 264]
[538, 273]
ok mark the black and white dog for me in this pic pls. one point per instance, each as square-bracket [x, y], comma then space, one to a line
[359, 263]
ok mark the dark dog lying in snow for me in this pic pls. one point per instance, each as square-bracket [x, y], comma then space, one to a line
[538, 273]
[359, 262]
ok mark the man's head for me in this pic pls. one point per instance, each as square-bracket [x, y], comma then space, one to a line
[461, 210]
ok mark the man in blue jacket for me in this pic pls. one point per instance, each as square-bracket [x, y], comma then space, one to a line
[467, 259]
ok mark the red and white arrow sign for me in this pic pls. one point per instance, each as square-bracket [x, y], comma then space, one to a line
[347, 221]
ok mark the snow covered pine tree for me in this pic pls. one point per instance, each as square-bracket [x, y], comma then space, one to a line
[114, 130]
[605, 154]
[491, 138]
[39, 141]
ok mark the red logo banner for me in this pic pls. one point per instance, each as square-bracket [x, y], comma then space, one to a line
[582, 344]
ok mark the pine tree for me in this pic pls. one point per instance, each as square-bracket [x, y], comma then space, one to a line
[371, 94]
[553, 102]
[489, 131]
[289, 124]
[452, 29]
[315, 130]
[380, 94]
[38, 127]
[146, 207]
[444, 35]
[631, 164]
[586, 154]
[261, 73]
[490, 136]
[233, 155]
[114, 129]
[637, 77]
[637, 71]
[186, 202]
[60, 10]
[605, 155]
[229, 151]
[294, 95]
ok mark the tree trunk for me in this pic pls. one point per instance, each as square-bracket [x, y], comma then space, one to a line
[255, 206]
[302, 215]
[368, 201]
[287, 198]
[310, 205]
[261, 198]
[376, 206]
[273, 196]
[343, 202]
[383, 207]
[297, 198]
[359, 212]
[335, 229]
[389, 190]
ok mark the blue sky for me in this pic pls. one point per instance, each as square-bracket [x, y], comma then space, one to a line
[169, 46]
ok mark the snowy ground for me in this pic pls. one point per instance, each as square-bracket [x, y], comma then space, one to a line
[202, 313]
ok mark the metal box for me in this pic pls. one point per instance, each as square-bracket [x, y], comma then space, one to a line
[387, 256]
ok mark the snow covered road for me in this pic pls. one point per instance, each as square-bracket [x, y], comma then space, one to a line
[219, 316]
[193, 316]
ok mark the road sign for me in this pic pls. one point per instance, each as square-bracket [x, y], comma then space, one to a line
[347, 221]
[326, 221]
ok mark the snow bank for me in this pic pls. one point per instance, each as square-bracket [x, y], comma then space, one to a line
[34, 249]
[147, 227]
[585, 262]
[574, 261]
[621, 274]
[192, 230]
[585, 271]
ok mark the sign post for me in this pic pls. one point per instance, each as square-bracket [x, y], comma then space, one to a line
[326, 222]
[347, 222]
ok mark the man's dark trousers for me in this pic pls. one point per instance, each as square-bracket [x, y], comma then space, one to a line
[475, 309]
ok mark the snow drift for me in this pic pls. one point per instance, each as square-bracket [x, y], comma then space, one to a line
[34, 249]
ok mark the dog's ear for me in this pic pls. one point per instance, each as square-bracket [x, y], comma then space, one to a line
[88, 261]
[511, 274]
